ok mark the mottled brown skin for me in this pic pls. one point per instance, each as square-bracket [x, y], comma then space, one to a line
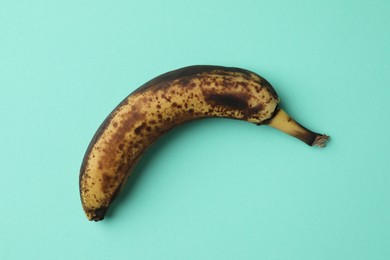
[159, 105]
[166, 101]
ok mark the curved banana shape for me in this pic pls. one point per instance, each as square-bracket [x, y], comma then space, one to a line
[164, 102]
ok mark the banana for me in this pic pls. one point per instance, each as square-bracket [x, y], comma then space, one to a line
[167, 101]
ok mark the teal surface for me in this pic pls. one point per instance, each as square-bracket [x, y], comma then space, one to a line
[211, 189]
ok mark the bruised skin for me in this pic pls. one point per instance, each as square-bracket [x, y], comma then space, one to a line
[159, 105]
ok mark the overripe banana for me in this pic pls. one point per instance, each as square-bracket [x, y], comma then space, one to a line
[164, 102]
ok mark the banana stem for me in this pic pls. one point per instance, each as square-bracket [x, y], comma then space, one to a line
[283, 122]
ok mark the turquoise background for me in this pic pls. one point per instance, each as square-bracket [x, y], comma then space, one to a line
[211, 189]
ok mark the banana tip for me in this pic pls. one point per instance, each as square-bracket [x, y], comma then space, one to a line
[321, 140]
[96, 214]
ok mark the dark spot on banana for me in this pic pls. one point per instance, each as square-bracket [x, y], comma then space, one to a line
[244, 84]
[106, 182]
[127, 122]
[138, 129]
[233, 101]
[253, 110]
[166, 97]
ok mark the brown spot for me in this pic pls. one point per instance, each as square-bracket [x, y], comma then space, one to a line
[174, 104]
[138, 129]
[253, 110]
[244, 84]
[148, 128]
[152, 122]
[227, 100]
[115, 124]
[165, 97]
[158, 106]
[120, 146]
[106, 182]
